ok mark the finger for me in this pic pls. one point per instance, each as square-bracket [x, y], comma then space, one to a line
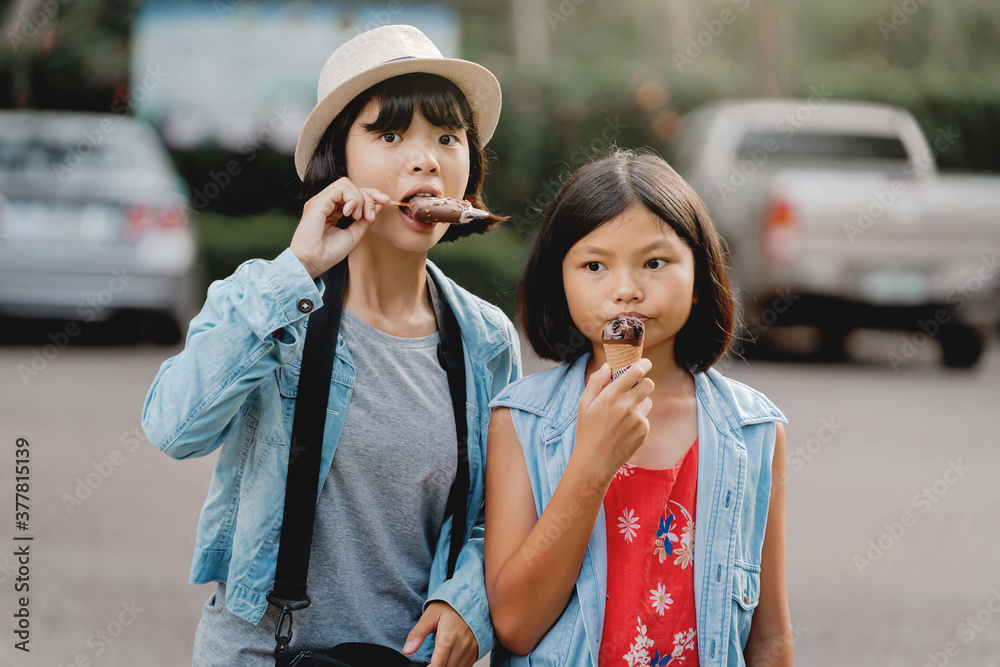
[377, 194]
[443, 656]
[374, 200]
[357, 230]
[595, 384]
[634, 373]
[644, 407]
[644, 387]
[427, 624]
[367, 205]
[352, 197]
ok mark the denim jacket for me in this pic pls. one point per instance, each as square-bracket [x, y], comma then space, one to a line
[234, 386]
[736, 442]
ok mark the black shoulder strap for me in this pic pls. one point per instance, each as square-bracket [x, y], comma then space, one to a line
[452, 358]
[307, 440]
[308, 424]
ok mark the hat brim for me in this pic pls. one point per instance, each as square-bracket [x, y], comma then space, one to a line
[480, 87]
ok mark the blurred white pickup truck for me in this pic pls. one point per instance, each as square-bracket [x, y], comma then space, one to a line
[837, 218]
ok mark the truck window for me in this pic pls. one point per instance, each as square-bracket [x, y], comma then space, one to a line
[825, 146]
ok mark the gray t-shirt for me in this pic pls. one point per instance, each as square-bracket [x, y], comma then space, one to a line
[379, 513]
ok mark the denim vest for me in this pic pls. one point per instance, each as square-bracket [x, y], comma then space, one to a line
[234, 386]
[736, 442]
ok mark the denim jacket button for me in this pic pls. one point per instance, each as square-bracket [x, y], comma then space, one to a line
[305, 305]
[746, 599]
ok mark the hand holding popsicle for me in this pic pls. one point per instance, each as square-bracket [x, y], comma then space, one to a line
[319, 242]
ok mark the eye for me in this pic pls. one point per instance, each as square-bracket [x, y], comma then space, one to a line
[657, 260]
[453, 137]
[593, 266]
[392, 137]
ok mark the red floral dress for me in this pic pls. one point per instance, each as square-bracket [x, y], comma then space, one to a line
[649, 614]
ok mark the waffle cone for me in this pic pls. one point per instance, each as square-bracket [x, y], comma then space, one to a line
[621, 357]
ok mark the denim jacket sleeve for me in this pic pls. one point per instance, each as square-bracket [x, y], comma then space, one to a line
[250, 324]
[466, 590]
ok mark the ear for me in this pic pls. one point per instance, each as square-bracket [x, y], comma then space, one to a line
[695, 298]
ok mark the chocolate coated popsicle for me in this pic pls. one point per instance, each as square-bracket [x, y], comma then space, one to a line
[442, 209]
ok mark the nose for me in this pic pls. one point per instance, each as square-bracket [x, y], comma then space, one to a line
[423, 158]
[627, 288]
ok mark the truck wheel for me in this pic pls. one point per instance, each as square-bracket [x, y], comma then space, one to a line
[832, 342]
[961, 346]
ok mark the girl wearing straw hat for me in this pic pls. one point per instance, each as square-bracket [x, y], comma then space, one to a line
[394, 119]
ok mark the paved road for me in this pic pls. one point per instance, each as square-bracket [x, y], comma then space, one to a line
[893, 540]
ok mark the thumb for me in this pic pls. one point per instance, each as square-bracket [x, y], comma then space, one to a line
[426, 625]
[598, 380]
[347, 239]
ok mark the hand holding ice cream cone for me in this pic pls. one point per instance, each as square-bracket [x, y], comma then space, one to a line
[622, 338]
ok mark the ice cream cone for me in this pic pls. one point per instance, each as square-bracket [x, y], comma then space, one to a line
[622, 338]
[620, 357]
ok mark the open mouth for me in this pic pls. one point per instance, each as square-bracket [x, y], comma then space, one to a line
[418, 194]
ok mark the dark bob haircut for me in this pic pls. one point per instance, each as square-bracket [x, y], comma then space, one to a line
[595, 194]
[440, 101]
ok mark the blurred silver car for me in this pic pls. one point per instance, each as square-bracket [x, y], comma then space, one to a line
[94, 224]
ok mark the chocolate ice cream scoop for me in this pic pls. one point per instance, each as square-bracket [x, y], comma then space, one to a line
[442, 209]
[623, 330]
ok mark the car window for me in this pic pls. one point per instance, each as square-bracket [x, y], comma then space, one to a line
[40, 154]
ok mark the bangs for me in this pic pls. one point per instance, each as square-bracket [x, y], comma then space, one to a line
[436, 98]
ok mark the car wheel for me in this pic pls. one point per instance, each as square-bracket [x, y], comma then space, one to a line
[961, 346]
[159, 328]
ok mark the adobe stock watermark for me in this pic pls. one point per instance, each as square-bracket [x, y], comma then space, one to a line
[782, 302]
[104, 637]
[759, 323]
[959, 297]
[968, 630]
[901, 13]
[599, 145]
[563, 11]
[772, 652]
[882, 200]
[26, 28]
[703, 40]
[202, 196]
[95, 137]
[924, 500]
[102, 470]
[88, 310]
[787, 126]
[800, 454]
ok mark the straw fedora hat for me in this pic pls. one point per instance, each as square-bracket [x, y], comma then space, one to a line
[386, 52]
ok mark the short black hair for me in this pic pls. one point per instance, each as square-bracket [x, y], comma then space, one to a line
[595, 194]
[440, 101]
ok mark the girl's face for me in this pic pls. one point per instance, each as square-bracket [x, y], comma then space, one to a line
[423, 158]
[633, 264]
